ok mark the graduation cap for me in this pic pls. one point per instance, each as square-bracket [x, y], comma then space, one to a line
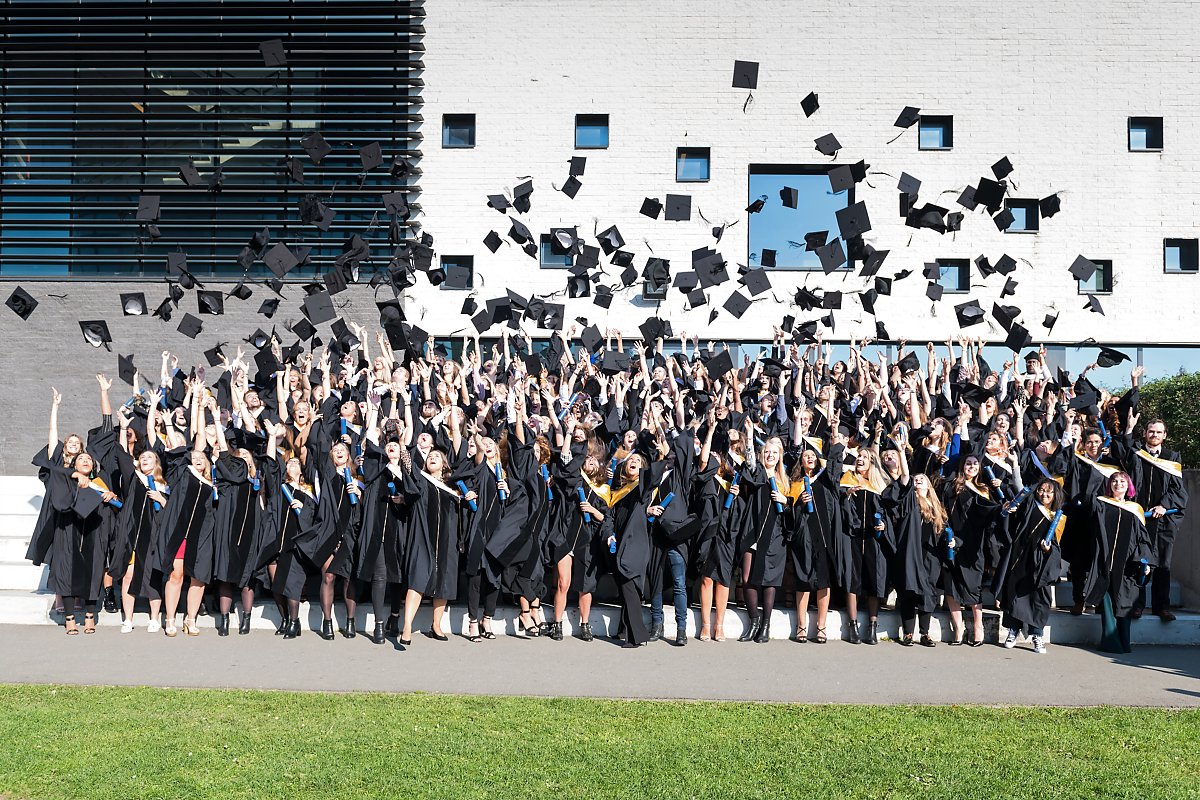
[737, 304]
[789, 197]
[628, 276]
[757, 281]
[756, 206]
[651, 207]
[874, 261]
[1006, 264]
[984, 266]
[881, 331]
[719, 364]
[1004, 220]
[21, 302]
[272, 53]
[571, 187]
[974, 395]
[868, 299]
[493, 241]
[745, 74]
[697, 298]
[518, 232]
[95, 333]
[1002, 168]
[927, 216]
[989, 194]
[147, 210]
[280, 260]
[318, 307]
[815, 240]
[458, 276]
[210, 303]
[810, 104]
[293, 168]
[578, 287]
[831, 300]
[269, 307]
[1018, 338]
[832, 256]
[577, 165]
[610, 239]
[133, 304]
[908, 184]
[1049, 206]
[591, 338]
[241, 291]
[498, 202]
[1005, 315]
[934, 291]
[436, 276]
[1109, 357]
[828, 145]
[189, 174]
[315, 145]
[767, 259]
[622, 258]
[968, 313]
[1082, 268]
[125, 368]
[841, 178]
[806, 331]
[806, 299]
[1050, 320]
[482, 321]
[603, 297]
[828, 321]
[967, 199]
[214, 355]
[883, 286]
[371, 156]
[335, 280]
[1010, 288]
[954, 221]
[164, 310]
[908, 117]
[910, 363]
[614, 361]
[304, 329]
[853, 220]
[190, 326]
[679, 207]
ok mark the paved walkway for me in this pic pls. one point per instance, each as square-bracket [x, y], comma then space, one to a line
[777, 671]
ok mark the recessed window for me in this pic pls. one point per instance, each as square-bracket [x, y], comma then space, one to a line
[935, 133]
[1025, 216]
[591, 131]
[458, 130]
[691, 164]
[460, 272]
[954, 275]
[1181, 255]
[551, 253]
[1145, 133]
[791, 231]
[1101, 280]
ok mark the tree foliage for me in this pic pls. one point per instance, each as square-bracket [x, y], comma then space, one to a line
[1177, 401]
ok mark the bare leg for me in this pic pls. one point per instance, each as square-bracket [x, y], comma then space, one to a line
[195, 596]
[802, 615]
[439, 610]
[956, 620]
[128, 600]
[706, 602]
[563, 568]
[412, 602]
[822, 607]
[155, 609]
[977, 617]
[851, 606]
[721, 596]
[172, 591]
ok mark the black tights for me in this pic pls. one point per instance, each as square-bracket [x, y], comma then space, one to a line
[476, 591]
[909, 614]
[225, 598]
[751, 592]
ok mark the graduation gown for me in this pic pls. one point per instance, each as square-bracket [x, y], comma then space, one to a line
[628, 506]
[292, 531]
[718, 554]
[862, 566]
[767, 529]
[237, 516]
[570, 533]
[189, 521]
[917, 566]
[374, 549]
[1159, 482]
[67, 534]
[972, 515]
[1083, 482]
[812, 542]
[431, 550]
[135, 541]
[1027, 590]
[1121, 542]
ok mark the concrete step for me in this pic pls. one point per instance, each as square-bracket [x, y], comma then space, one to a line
[13, 548]
[1064, 594]
[34, 608]
[22, 575]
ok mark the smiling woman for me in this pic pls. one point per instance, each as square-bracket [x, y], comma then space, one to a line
[782, 229]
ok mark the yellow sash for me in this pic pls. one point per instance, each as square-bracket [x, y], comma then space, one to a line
[1049, 515]
[1170, 467]
[982, 492]
[1127, 505]
[607, 494]
[851, 479]
[1103, 469]
[816, 443]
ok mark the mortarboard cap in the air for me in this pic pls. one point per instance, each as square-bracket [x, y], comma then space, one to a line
[810, 104]
[458, 276]
[868, 299]
[696, 298]
[1003, 220]
[989, 194]
[133, 304]
[745, 74]
[395, 204]
[1002, 168]
[1109, 357]
[628, 275]
[272, 52]
[827, 145]
[737, 304]
[756, 206]
[214, 355]
[269, 307]
[208, 302]
[579, 287]
[147, 210]
[293, 168]
[831, 300]
[591, 338]
[498, 202]
[768, 257]
[1018, 338]
[1005, 315]
[614, 361]
[335, 280]
[789, 197]
[908, 117]
[125, 368]
[603, 297]
[241, 291]
[95, 332]
[610, 239]
[571, 186]
[841, 178]
[815, 240]
[21, 302]
[832, 256]
[974, 395]
[577, 165]
[1082, 268]
[1050, 320]
[1049, 206]
[968, 313]
[874, 261]
[757, 281]
[967, 199]
[318, 307]
[881, 331]
[304, 329]
[853, 220]
[807, 299]
[719, 364]
[679, 207]
[518, 232]
[190, 326]
[934, 291]
[371, 155]
[910, 363]
[651, 207]
[1006, 264]
[280, 260]
[164, 310]
[315, 145]
[482, 321]
[493, 241]
[189, 174]
[1010, 288]
[908, 184]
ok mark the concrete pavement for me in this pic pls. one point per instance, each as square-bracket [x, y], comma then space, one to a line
[778, 671]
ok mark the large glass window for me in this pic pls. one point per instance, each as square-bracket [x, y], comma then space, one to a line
[782, 229]
[591, 131]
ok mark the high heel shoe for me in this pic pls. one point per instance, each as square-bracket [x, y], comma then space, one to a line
[189, 627]
[820, 638]
[764, 633]
[89, 623]
[751, 630]
[351, 629]
[244, 625]
[378, 636]
[327, 630]
[222, 624]
[800, 636]
[293, 630]
[441, 637]
[405, 642]
[169, 629]
[472, 634]
[69, 624]
[284, 623]
[530, 630]
[485, 628]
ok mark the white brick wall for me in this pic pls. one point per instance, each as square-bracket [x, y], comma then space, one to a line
[1049, 85]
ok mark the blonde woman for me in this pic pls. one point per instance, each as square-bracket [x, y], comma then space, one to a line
[863, 551]
[919, 522]
[766, 491]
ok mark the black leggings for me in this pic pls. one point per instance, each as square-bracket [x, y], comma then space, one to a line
[751, 592]
[479, 587]
[631, 613]
[909, 613]
[72, 603]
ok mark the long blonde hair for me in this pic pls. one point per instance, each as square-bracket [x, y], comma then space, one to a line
[931, 507]
[779, 473]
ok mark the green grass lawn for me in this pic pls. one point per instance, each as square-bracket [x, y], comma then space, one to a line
[79, 742]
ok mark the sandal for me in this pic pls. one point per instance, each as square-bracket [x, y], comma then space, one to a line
[719, 636]
[473, 637]
[800, 635]
[704, 637]
[89, 623]
[69, 624]
[485, 628]
[820, 638]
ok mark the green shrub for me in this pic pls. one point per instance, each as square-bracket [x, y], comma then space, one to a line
[1177, 401]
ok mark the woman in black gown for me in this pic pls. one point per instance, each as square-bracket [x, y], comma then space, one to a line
[811, 544]
[1032, 565]
[972, 513]
[1122, 560]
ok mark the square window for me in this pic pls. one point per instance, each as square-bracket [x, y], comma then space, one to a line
[591, 131]
[1101, 280]
[551, 254]
[460, 272]
[1145, 133]
[935, 133]
[691, 164]
[782, 229]
[954, 275]
[1181, 255]
[652, 292]
[458, 130]
[1026, 217]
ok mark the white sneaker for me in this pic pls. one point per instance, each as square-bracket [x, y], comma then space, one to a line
[126, 627]
[1039, 646]
[153, 627]
[1010, 641]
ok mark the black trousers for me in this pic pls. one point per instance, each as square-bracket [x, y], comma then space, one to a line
[479, 587]
[631, 613]
[1160, 579]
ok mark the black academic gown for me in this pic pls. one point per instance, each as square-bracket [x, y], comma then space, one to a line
[1158, 484]
[374, 549]
[67, 531]
[971, 515]
[432, 546]
[917, 566]
[1120, 544]
[237, 516]
[767, 529]
[863, 570]
[1027, 591]
[294, 529]
[135, 541]
[812, 543]
[1082, 483]
[189, 520]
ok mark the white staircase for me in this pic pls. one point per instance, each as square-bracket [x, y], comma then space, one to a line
[25, 601]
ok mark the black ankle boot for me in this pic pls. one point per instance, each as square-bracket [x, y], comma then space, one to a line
[852, 632]
[873, 631]
[110, 601]
[764, 633]
[284, 624]
[393, 627]
[293, 631]
[377, 637]
[222, 625]
[351, 629]
[585, 631]
[327, 630]
[751, 630]
[244, 625]
[556, 632]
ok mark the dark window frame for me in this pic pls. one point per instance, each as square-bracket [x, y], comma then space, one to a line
[799, 169]
[450, 119]
[1154, 132]
[946, 121]
[456, 261]
[1189, 252]
[1032, 214]
[1104, 267]
[580, 121]
[963, 284]
[707, 156]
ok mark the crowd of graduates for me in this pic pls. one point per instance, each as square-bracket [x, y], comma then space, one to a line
[380, 469]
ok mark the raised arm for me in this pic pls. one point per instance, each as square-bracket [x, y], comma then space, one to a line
[52, 438]
[105, 385]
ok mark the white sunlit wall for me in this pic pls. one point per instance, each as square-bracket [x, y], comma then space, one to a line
[1088, 101]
